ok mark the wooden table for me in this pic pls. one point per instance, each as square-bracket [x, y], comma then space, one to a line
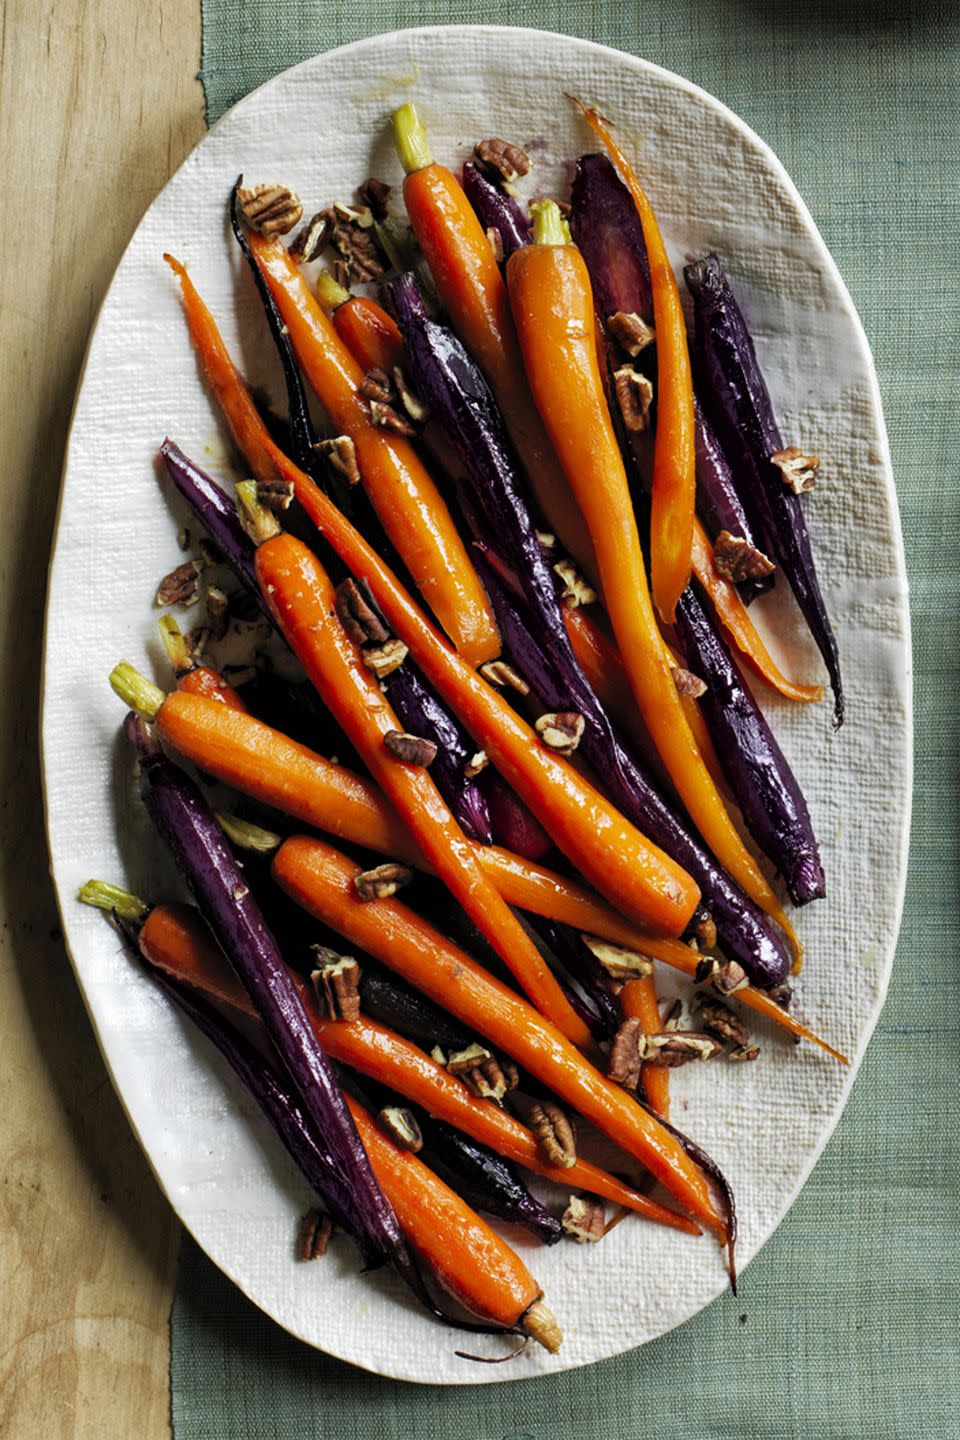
[99, 103]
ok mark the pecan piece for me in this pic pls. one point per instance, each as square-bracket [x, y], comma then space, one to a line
[362, 261]
[276, 495]
[376, 385]
[741, 1054]
[401, 1125]
[496, 243]
[475, 764]
[385, 417]
[575, 591]
[737, 560]
[619, 963]
[705, 932]
[384, 659]
[374, 194]
[382, 881]
[672, 1015]
[357, 616]
[726, 976]
[634, 396]
[411, 749]
[340, 454]
[509, 161]
[631, 332]
[183, 538]
[336, 980]
[687, 683]
[315, 1231]
[271, 209]
[718, 1019]
[561, 730]
[672, 1048]
[414, 406]
[181, 586]
[799, 471]
[488, 1077]
[218, 611]
[583, 1220]
[623, 1063]
[499, 673]
[554, 1133]
[312, 237]
[781, 995]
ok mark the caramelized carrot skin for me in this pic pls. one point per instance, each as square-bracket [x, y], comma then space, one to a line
[369, 333]
[321, 880]
[204, 680]
[638, 999]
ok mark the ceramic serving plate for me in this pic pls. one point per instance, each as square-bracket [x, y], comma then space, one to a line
[322, 128]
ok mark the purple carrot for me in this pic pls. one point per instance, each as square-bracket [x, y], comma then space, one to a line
[718, 500]
[734, 393]
[401, 1008]
[584, 968]
[762, 781]
[496, 210]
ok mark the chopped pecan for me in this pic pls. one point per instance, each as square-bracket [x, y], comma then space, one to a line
[340, 454]
[374, 194]
[411, 749]
[401, 1125]
[737, 560]
[315, 1231]
[382, 881]
[385, 417]
[499, 673]
[575, 591]
[340, 271]
[496, 243]
[312, 237]
[271, 209]
[583, 1220]
[485, 1074]
[197, 641]
[705, 931]
[336, 980]
[799, 471]
[631, 332]
[554, 1133]
[183, 538]
[475, 764]
[619, 963]
[218, 611]
[741, 1054]
[384, 659]
[547, 541]
[414, 406]
[634, 396]
[357, 615]
[721, 1021]
[781, 995]
[376, 385]
[362, 261]
[561, 730]
[509, 161]
[687, 683]
[671, 1048]
[726, 976]
[275, 495]
[672, 1015]
[181, 586]
[623, 1063]
[360, 215]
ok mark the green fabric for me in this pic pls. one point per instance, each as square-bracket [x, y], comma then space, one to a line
[847, 1324]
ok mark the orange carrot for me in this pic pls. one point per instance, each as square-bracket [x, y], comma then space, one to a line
[323, 882]
[674, 480]
[302, 600]
[369, 333]
[251, 757]
[552, 305]
[471, 287]
[638, 999]
[735, 619]
[403, 494]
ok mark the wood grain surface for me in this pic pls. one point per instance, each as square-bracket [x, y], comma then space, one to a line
[99, 102]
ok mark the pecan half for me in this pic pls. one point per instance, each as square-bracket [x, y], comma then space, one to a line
[561, 730]
[340, 454]
[623, 1062]
[508, 160]
[411, 749]
[554, 1133]
[475, 764]
[726, 976]
[737, 560]
[315, 1232]
[357, 616]
[276, 495]
[672, 1048]
[374, 194]
[385, 417]
[634, 396]
[362, 261]
[799, 471]
[181, 586]
[499, 673]
[741, 1054]
[718, 1019]
[487, 1076]
[376, 385]
[336, 979]
[271, 209]
[619, 963]
[401, 1125]
[218, 611]
[382, 881]
[310, 239]
[384, 659]
[631, 332]
[575, 590]
[672, 1015]
[583, 1220]
[417, 412]
[687, 683]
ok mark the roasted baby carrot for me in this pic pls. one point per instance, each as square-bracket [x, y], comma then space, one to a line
[369, 333]
[638, 999]
[193, 675]
[471, 287]
[409, 506]
[302, 599]
[323, 882]
[552, 306]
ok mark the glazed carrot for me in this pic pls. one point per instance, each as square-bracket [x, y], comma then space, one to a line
[603, 846]
[471, 287]
[322, 881]
[638, 998]
[403, 494]
[302, 599]
[673, 492]
[735, 619]
[175, 938]
[369, 333]
[192, 676]
[553, 308]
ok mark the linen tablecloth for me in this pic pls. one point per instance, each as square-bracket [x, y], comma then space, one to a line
[847, 1323]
